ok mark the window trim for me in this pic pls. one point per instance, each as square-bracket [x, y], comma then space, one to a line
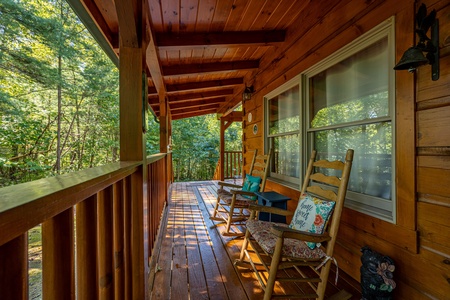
[360, 202]
[384, 29]
[283, 179]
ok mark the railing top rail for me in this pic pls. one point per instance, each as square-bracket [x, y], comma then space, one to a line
[155, 157]
[26, 205]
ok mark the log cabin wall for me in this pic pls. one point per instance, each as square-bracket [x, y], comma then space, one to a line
[419, 242]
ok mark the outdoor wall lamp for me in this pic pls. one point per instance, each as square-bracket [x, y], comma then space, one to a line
[414, 57]
[247, 94]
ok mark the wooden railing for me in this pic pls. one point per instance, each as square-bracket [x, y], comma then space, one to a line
[232, 165]
[98, 228]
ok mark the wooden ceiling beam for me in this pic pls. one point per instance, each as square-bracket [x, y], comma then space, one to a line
[194, 109]
[129, 23]
[193, 114]
[199, 103]
[200, 95]
[189, 86]
[210, 67]
[195, 106]
[153, 99]
[235, 116]
[101, 23]
[177, 41]
[154, 66]
[204, 84]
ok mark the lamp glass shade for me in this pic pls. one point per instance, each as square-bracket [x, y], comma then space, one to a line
[247, 94]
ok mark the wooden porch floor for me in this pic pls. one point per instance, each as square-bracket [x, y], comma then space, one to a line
[196, 262]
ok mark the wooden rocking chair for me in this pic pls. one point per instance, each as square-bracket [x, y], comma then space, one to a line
[284, 254]
[231, 205]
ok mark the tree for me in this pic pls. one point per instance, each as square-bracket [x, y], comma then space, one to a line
[47, 56]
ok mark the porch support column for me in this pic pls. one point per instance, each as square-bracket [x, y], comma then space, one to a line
[132, 148]
[132, 137]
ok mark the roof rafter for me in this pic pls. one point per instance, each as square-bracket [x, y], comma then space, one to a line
[193, 114]
[204, 84]
[210, 67]
[197, 103]
[219, 39]
[193, 96]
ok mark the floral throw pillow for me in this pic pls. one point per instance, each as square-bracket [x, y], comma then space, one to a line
[251, 184]
[312, 215]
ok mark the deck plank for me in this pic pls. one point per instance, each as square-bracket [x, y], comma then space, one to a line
[196, 260]
[196, 273]
[179, 282]
[230, 277]
[163, 266]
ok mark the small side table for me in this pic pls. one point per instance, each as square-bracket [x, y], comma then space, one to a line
[272, 199]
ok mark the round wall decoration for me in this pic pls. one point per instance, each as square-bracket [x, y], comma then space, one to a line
[255, 129]
[249, 117]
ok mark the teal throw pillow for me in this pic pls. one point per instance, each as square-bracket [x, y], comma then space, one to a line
[251, 184]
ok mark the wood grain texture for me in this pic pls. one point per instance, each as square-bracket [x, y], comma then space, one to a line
[14, 268]
[86, 248]
[105, 244]
[58, 272]
[29, 204]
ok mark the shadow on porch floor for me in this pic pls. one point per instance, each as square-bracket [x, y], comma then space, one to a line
[196, 262]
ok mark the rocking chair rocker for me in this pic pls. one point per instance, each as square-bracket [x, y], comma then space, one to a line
[281, 253]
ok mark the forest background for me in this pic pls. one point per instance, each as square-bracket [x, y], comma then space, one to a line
[59, 102]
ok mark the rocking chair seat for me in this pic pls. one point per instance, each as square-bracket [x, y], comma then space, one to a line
[261, 232]
[241, 201]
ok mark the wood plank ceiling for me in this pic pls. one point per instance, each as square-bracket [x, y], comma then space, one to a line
[203, 52]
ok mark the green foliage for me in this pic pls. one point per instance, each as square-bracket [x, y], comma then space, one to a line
[46, 54]
[196, 146]
[48, 57]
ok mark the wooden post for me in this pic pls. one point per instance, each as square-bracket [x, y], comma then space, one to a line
[132, 148]
[105, 244]
[222, 148]
[58, 279]
[14, 268]
[86, 236]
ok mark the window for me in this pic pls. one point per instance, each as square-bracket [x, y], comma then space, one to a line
[283, 132]
[349, 98]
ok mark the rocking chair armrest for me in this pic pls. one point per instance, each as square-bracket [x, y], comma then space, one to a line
[270, 209]
[222, 184]
[287, 232]
[241, 192]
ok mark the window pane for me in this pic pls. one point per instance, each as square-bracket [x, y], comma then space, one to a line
[372, 163]
[286, 159]
[352, 90]
[284, 112]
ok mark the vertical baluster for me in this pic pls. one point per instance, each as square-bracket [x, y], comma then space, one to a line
[228, 165]
[14, 268]
[58, 281]
[127, 238]
[153, 205]
[137, 236]
[86, 245]
[118, 240]
[105, 244]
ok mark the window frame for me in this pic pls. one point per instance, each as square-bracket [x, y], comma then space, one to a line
[287, 180]
[357, 201]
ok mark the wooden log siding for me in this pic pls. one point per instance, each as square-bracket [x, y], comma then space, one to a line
[419, 241]
[88, 214]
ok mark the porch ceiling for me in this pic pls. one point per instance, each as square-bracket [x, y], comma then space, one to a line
[201, 54]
